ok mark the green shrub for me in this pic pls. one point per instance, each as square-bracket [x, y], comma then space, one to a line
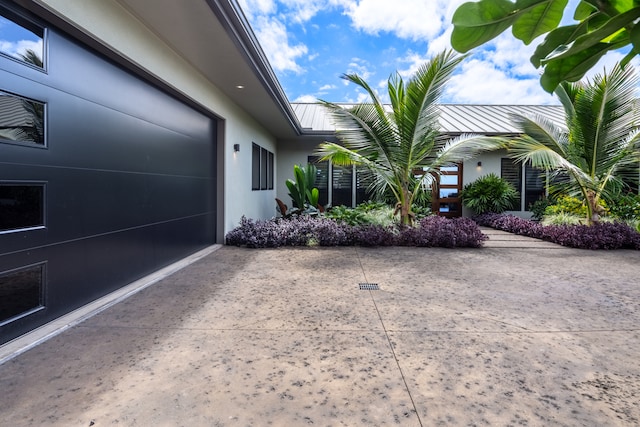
[367, 213]
[421, 211]
[538, 207]
[625, 207]
[343, 214]
[562, 218]
[566, 205]
[489, 193]
[302, 192]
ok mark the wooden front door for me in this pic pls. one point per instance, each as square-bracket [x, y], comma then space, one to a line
[446, 192]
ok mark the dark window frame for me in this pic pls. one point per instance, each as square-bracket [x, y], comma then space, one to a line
[28, 143]
[527, 178]
[20, 19]
[262, 168]
[255, 167]
[43, 206]
[41, 291]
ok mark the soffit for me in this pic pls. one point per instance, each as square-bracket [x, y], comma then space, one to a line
[215, 38]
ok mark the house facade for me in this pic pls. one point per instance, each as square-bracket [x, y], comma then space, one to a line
[138, 132]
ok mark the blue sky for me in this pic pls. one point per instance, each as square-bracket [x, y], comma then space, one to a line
[14, 39]
[311, 43]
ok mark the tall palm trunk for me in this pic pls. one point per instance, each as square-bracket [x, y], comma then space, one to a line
[594, 210]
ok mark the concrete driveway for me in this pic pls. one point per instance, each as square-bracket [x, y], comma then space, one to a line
[544, 336]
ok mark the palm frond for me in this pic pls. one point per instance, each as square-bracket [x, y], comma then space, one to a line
[424, 92]
[541, 130]
[604, 116]
[464, 147]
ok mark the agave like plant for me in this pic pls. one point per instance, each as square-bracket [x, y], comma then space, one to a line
[302, 191]
[401, 146]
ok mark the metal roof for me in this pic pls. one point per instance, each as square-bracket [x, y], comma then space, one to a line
[454, 119]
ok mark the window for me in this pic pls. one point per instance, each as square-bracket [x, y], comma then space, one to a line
[21, 292]
[21, 40]
[262, 161]
[336, 183]
[532, 186]
[270, 171]
[21, 206]
[21, 119]
[322, 179]
[364, 178]
[342, 186]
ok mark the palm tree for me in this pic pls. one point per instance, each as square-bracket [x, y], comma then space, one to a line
[401, 148]
[598, 152]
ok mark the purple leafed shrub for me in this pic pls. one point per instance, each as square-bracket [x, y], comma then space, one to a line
[374, 235]
[305, 230]
[606, 235]
[443, 232]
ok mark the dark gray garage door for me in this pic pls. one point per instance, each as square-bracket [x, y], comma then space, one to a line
[104, 178]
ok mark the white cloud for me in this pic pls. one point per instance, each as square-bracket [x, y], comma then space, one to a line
[274, 40]
[360, 67]
[360, 97]
[607, 63]
[254, 8]
[480, 82]
[410, 19]
[328, 87]
[306, 98]
[17, 48]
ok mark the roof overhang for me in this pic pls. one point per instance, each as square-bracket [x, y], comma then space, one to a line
[215, 37]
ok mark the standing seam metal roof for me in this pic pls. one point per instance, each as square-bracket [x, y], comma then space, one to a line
[454, 118]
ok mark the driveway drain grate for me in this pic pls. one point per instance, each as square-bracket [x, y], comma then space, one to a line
[369, 287]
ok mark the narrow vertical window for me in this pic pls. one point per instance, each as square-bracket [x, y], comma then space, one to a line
[263, 168]
[21, 292]
[270, 172]
[255, 167]
[511, 172]
[322, 179]
[21, 40]
[364, 178]
[534, 183]
[342, 186]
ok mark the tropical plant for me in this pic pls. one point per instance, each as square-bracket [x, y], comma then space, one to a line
[373, 213]
[626, 207]
[607, 235]
[401, 147]
[346, 215]
[598, 152]
[567, 51]
[538, 207]
[302, 191]
[562, 218]
[489, 193]
[305, 230]
[564, 204]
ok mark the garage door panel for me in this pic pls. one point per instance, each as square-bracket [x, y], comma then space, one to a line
[91, 136]
[128, 174]
[81, 75]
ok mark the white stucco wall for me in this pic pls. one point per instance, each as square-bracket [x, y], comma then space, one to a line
[114, 26]
[491, 163]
